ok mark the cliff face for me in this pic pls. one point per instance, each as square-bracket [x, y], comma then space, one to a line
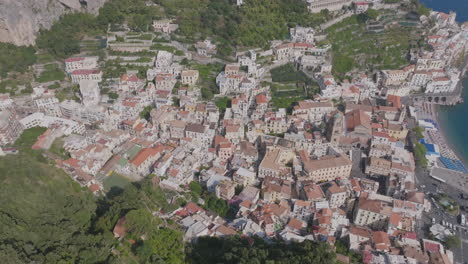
[20, 20]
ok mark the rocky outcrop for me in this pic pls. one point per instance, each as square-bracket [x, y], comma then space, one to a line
[20, 20]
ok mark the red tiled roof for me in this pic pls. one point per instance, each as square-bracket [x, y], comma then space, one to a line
[144, 154]
[74, 59]
[261, 99]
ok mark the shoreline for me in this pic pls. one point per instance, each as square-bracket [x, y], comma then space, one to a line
[446, 144]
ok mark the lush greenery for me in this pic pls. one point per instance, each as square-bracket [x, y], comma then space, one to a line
[420, 154]
[145, 113]
[288, 73]
[235, 250]
[418, 131]
[57, 149]
[358, 46]
[15, 59]
[63, 38]
[452, 241]
[45, 215]
[115, 180]
[222, 103]
[207, 79]
[49, 218]
[290, 86]
[212, 202]
[448, 203]
[343, 249]
[52, 73]
[254, 24]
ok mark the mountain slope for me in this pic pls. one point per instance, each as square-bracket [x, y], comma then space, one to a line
[20, 20]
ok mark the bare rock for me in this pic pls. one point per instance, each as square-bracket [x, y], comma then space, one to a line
[20, 20]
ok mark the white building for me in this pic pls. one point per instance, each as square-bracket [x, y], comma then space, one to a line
[316, 6]
[40, 120]
[81, 63]
[86, 75]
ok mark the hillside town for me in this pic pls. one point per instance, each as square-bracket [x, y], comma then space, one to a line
[340, 165]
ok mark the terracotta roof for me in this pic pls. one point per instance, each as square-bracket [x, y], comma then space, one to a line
[227, 231]
[360, 231]
[120, 230]
[144, 154]
[261, 99]
[357, 118]
[295, 224]
[381, 237]
[94, 188]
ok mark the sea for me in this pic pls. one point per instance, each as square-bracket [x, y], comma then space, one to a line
[454, 119]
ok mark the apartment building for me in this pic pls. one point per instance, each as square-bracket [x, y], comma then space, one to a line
[327, 168]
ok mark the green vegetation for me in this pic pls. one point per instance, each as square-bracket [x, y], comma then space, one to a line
[288, 73]
[49, 218]
[57, 149]
[52, 73]
[418, 131]
[419, 8]
[449, 204]
[55, 85]
[212, 202]
[222, 103]
[113, 95]
[343, 249]
[291, 86]
[68, 93]
[420, 154]
[207, 79]
[138, 16]
[354, 47]
[15, 82]
[145, 113]
[235, 250]
[452, 242]
[15, 58]
[115, 180]
[44, 213]
[63, 38]
[256, 23]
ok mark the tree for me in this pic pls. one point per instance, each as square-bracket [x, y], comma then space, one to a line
[418, 132]
[146, 112]
[255, 250]
[195, 187]
[113, 95]
[162, 246]
[452, 242]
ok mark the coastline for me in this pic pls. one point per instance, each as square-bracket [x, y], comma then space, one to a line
[447, 144]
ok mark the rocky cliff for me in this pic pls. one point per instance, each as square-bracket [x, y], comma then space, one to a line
[20, 20]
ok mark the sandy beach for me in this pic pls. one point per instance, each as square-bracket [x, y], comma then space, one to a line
[437, 136]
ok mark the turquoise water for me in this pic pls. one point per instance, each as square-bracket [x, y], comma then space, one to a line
[454, 123]
[454, 119]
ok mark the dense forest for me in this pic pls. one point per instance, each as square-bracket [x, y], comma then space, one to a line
[245, 250]
[253, 24]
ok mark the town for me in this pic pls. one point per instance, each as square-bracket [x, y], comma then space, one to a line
[284, 147]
